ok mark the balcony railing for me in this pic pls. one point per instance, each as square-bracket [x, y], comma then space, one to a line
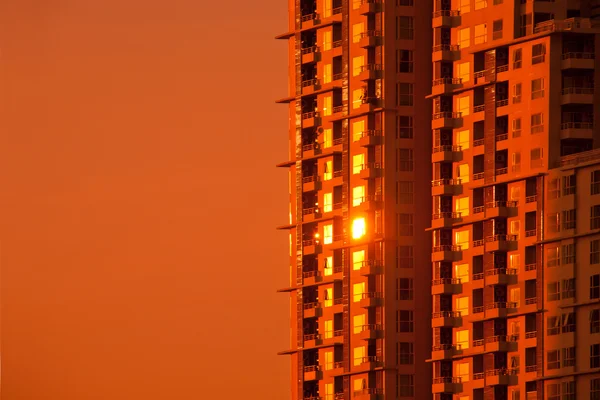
[446, 13]
[502, 371]
[372, 295]
[478, 209]
[501, 171]
[530, 368]
[308, 50]
[577, 125]
[446, 47]
[368, 391]
[478, 142]
[478, 375]
[578, 56]
[446, 314]
[311, 178]
[446, 114]
[309, 17]
[531, 199]
[372, 327]
[367, 34]
[501, 271]
[532, 300]
[446, 181]
[310, 82]
[447, 379]
[530, 232]
[368, 133]
[309, 306]
[312, 336]
[310, 274]
[502, 103]
[501, 203]
[477, 310]
[478, 276]
[578, 90]
[501, 304]
[446, 147]
[448, 214]
[311, 114]
[478, 108]
[445, 347]
[502, 68]
[478, 242]
[445, 247]
[446, 81]
[499, 237]
[478, 175]
[446, 281]
[502, 136]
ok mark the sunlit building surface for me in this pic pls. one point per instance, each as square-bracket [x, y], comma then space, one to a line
[360, 198]
[516, 192]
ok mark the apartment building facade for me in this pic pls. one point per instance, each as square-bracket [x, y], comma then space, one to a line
[359, 162]
[515, 227]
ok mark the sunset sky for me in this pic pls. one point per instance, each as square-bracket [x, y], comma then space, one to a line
[139, 258]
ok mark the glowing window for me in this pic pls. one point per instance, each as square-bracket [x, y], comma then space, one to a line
[329, 391]
[328, 329]
[480, 34]
[327, 35]
[462, 206]
[358, 258]
[515, 227]
[463, 105]
[461, 271]
[328, 297]
[463, 71]
[358, 195]
[359, 354]
[358, 162]
[328, 173]
[327, 138]
[462, 339]
[479, 4]
[359, 321]
[515, 192]
[328, 360]
[327, 202]
[462, 239]
[360, 384]
[357, 31]
[327, 73]
[463, 139]
[515, 296]
[358, 128]
[327, 105]
[462, 305]
[462, 172]
[514, 261]
[464, 6]
[462, 371]
[328, 234]
[328, 266]
[357, 64]
[358, 289]
[464, 38]
[327, 8]
[359, 228]
[357, 98]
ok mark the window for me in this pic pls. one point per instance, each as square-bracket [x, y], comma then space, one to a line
[515, 296]
[358, 290]
[328, 266]
[595, 356]
[462, 239]
[357, 65]
[358, 195]
[328, 329]
[327, 170]
[462, 339]
[462, 371]
[328, 360]
[595, 321]
[568, 357]
[595, 251]
[404, 321]
[357, 31]
[595, 217]
[358, 259]
[328, 391]
[553, 325]
[359, 354]
[463, 105]
[404, 27]
[517, 93]
[515, 228]
[327, 105]
[553, 290]
[514, 261]
[463, 71]
[405, 159]
[405, 257]
[327, 73]
[405, 192]
[462, 305]
[595, 184]
[554, 189]
[497, 30]
[358, 161]
[462, 206]
[405, 224]
[595, 287]
[327, 42]
[595, 389]
[404, 94]
[359, 322]
[480, 34]
[516, 161]
[569, 219]
[537, 157]
[328, 294]
[404, 2]
[463, 139]
[537, 123]
[516, 127]
[327, 138]
[553, 357]
[358, 128]
[537, 88]
[568, 389]
[552, 256]
[517, 58]
[404, 289]
[479, 4]
[404, 127]
[568, 322]
[404, 61]
[464, 38]
[569, 185]
[357, 96]
[328, 234]
[327, 202]
[568, 254]
[406, 355]
[462, 172]
[568, 288]
[538, 53]
[515, 193]
[464, 6]
[461, 271]
[553, 391]
[406, 385]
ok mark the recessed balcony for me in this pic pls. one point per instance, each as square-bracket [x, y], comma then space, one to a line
[446, 318]
[370, 71]
[501, 276]
[445, 52]
[312, 373]
[312, 340]
[311, 246]
[501, 242]
[499, 309]
[370, 39]
[368, 394]
[577, 95]
[368, 203]
[369, 363]
[445, 351]
[312, 277]
[502, 376]
[446, 120]
[504, 209]
[370, 171]
[499, 343]
[311, 119]
[444, 219]
[371, 331]
[578, 60]
[309, 20]
[446, 153]
[445, 85]
[446, 252]
[372, 299]
[312, 309]
[446, 186]
[446, 286]
[371, 137]
[369, 6]
[576, 130]
[446, 384]
[311, 183]
[371, 267]
[309, 86]
[310, 214]
[445, 19]
[310, 54]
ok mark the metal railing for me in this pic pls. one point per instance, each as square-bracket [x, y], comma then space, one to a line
[478, 209]
[502, 103]
[499, 237]
[308, 50]
[478, 175]
[312, 336]
[446, 13]
[531, 267]
[446, 147]
[478, 242]
[446, 114]
[578, 90]
[309, 306]
[478, 142]
[446, 81]
[446, 314]
[578, 56]
[445, 247]
[446, 281]
[577, 125]
[478, 276]
[309, 17]
[501, 137]
[447, 379]
[445, 181]
[446, 47]
[502, 68]
[478, 108]
[530, 232]
[501, 271]
[448, 214]
[311, 114]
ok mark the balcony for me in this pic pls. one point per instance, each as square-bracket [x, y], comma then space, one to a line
[446, 384]
[501, 242]
[369, 6]
[576, 130]
[501, 276]
[371, 267]
[369, 394]
[311, 214]
[499, 309]
[308, 20]
[531, 233]
[446, 286]
[312, 277]
[370, 362]
[311, 119]
[446, 253]
[445, 85]
[368, 203]
[578, 60]
[445, 351]
[370, 171]
[502, 376]
[311, 246]
[312, 340]
[577, 95]
[501, 343]
[446, 318]
[445, 52]
[370, 39]
[371, 137]
[446, 153]
[311, 183]
[370, 71]
[445, 18]
[478, 108]
[504, 209]
[444, 219]
[371, 331]
[312, 373]
[310, 54]
[372, 299]
[312, 310]
[446, 120]
[310, 85]
[446, 186]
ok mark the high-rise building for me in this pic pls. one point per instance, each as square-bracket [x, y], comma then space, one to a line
[516, 217]
[359, 167]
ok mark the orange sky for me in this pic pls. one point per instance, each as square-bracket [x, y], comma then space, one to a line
[139, 197]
